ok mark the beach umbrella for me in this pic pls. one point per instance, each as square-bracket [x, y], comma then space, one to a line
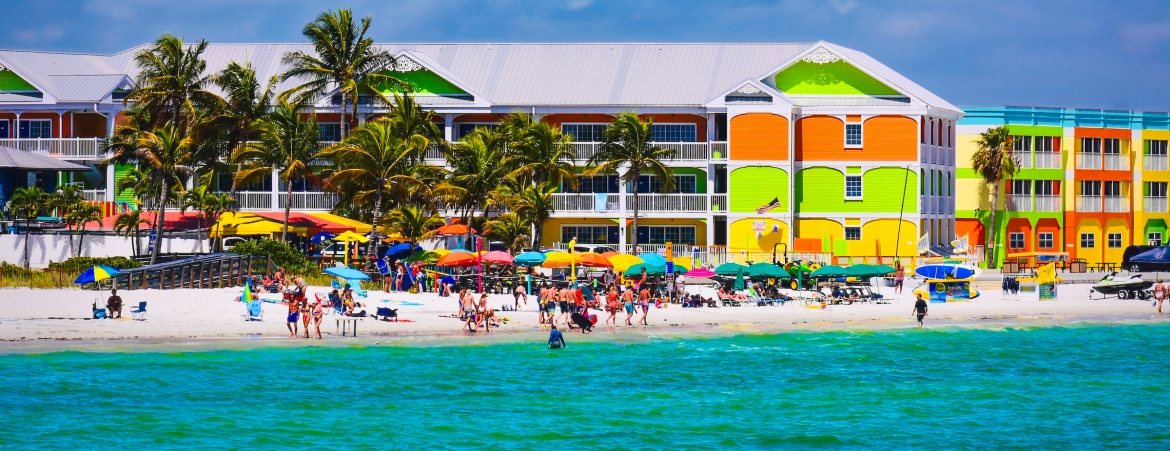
[424, 257]
[95, 274]
[729, 269]
[322, 236]
[622, 262]
[653, 259]
[594, 260]
[346, 273]
[767, 270]
[636, 269]
[349, 236]
[702, 273]
[453, 230]
[610, 254]
[529, 259]
[498, 257]
[739, 285]
[864, 270]
[402, 249]
[457, 258]
[830, 271]
[560, 260]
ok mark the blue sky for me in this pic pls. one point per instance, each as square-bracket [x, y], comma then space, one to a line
[1074, 53]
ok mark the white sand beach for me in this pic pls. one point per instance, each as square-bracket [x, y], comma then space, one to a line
[44, 316]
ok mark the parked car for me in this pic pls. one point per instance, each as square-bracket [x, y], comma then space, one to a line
[597, 248]
[1139, 267]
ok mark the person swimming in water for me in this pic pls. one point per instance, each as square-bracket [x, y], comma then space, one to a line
[555, 339]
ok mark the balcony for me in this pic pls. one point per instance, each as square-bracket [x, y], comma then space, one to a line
[1047, 203]
[309, 201]
[253, 200]
[685, 151]
[1116, 162]
[1116, 204]
[692, 203]
[1047, 160]
[719, 203]
[1023, 159]
[1019, 202]
[1089, 204]
[1155, 204]
[1088, 160]
[94, 195]
[719, 151]
[1155, 162]
[62, 148]
[677, 203]
[566, 202]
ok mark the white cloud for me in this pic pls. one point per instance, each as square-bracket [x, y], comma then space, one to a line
[844, 6]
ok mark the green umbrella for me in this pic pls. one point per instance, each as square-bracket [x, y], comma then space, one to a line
[829, 271]
[863, 270]
[652, 270]
[729, 269]
[767, 270]
[738, 280]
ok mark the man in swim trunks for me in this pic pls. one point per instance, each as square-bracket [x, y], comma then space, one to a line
[628, 300]
[517, 294]
[565, 298]
[920, 308]
[644, 299]
[294, 310]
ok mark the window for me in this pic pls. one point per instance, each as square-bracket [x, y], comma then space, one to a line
[465, 128]
[852, 135]
[1021, 187]
[1114, 241]
[663, 234]
[329, 131]
[1090, 188]
[673, 133]
[590, 234]
[853, 187]
[1047, 187]
[36, 129]
[1021, 144]
[1047, 144]
[585, 132]
[1156, 189]
[1088, 241]
[594, 184]
[1045, 240]
[1091, 145]
[1016, 240]
[684, 184]
[1112, 145]
[853, 233]
[1156, 147]
[1155, 238]
[1113, 188]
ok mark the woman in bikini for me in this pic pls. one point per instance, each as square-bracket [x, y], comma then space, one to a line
[483, 314]
[318, 315]
[611, 305]
[628, 299]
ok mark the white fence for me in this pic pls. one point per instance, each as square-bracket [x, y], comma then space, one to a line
[1047, 160]
[44, 249]
[1048, 203]
[301, 201]
[1155, 205]
[61, 148]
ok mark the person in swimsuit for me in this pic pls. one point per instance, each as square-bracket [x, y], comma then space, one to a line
[114, 304]
[517, 294]
[611, 305]
[469, 312]
[1159, 294]
[628, 298]
[565, 298]
[899, 276]
[294, 310]
[318, 315]
[484, 313]
[644, 298]
[300, 295]
[920, 308]
[556, 339]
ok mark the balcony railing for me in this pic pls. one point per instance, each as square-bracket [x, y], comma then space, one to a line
[1116, 162]
[1088, 160]
[253, 200]
[583, 151]
[1019, 202]
[94, 195]
[1116, 204]
[681, 203]
[719, 202]
[670, 202]
[1023, 159]
[1089, 204]
[1047, 203]
[1155, 205]
[319, 201]
[688, 151]
[1155, 162]
[719, 151]
[61, 148]
[585, 202]
[1047, 160]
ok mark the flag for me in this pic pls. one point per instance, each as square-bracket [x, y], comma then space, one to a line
[775, 203]
[924, 244]
[1046, 274]
[961, 245]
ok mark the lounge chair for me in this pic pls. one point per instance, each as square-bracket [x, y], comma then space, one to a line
[140, 312]
[385, 313]
[357, 288]
[254, 311]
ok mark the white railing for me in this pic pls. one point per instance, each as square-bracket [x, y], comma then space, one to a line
[1089, 204]
[685, 151]
[719, 148]
[583, 151]
[1023, 159]
[1155, 205]
[1116, 162]
[253, 200]
[585, 202]
[62, 148]
[312, 200]
[434, 156]
[1116, 204]
[670, 202]
[1155, 162]
[1019, 202]
[1047, 203]
[719, 202]
[1047, 160]
[94, 195]
[1088, 160]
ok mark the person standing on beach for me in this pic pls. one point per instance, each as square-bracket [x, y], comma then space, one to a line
[611, 306]
[564, 298]
[1159, 294]
[318, 315]
[628, 300]
[518, 293]
[899, 276]
[920, 308]
[644, 300]
[294, 310]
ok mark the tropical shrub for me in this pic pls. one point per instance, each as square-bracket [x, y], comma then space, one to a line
[283, 255]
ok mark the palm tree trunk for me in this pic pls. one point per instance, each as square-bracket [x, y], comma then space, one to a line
[634, 248]
[199, 231]
[343, 115]
[81, 240]
[990, 248]
[537, 234]
[160, 221]
[377, 215]
[287, 209]
[27, 236]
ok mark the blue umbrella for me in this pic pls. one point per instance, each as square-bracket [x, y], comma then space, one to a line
[529, 259]
[346, 273]
[402, 249]
[653, 259]
[322, 236]
[96, 273]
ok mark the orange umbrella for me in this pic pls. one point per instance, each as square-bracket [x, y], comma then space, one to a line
[457, 259]
[595, 260]
[453, 229]
[610, 254]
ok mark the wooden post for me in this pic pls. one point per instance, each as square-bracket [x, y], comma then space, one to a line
[268, 265]
[145, 276]
[250, 267]
[200, 276]
[239, 270]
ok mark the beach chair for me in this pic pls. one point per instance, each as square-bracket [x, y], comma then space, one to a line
[385, 313]
[254, 311]
[357, 289]
[139, 313]
[336, 285]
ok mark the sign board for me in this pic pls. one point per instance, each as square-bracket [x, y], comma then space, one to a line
[669, 268]
[759, 226]
[944, 290]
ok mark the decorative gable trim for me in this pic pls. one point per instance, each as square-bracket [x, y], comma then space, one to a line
[820, 55]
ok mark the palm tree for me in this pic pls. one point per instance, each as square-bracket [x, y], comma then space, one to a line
[128, 224]
[627, 145]
[409, 119]
[246, 102]
[288, 143]
[478, 165]
[30, 201]
[171, 82]
[82, 215]
[993, 162]
[345, 60]
[544, 154]
[535, 205]
[374, 158]
[164, 155]
[64, 201]
[413, 222]
[139, 182]
[215, 206]
[196, 199]
[509, 229]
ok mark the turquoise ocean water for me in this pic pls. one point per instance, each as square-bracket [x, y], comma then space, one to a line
[1070, 387]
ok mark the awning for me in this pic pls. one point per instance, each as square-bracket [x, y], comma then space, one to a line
[19, 159]
[175, 221]
[251, 224]
[313, 223]
[352, 224]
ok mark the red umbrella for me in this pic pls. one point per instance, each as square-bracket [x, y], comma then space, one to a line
[453, 229]
[457, 259]
[498, 257]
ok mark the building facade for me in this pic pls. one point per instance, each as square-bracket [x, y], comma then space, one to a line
[1090, 182]
[804, 147]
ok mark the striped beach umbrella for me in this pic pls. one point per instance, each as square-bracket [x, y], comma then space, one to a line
[96, 274]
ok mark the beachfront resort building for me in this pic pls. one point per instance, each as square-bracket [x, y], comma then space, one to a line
[1090, 182]
[797, 147]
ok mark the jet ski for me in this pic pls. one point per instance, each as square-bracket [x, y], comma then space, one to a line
[1125, 287]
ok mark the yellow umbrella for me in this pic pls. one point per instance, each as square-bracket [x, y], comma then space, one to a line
[560, 260]
[623, 262]
[358, 226]
[683, 262]
[348, 237]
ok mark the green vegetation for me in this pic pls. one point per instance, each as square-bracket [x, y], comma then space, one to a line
[993, 162]
[79, 264]
[283, 255]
